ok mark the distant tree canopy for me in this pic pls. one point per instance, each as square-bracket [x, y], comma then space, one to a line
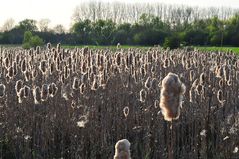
[31, 41]
[149, 30]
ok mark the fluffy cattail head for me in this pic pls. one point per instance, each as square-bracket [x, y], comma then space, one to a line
[52, 89]
[21, 95]
[126, 111]
[18, 86]
[143, 95]
[26, 91]
[23, 66]
[76, 83]
[82, 88]
[122, 149]
[202, 78]
[147, 83]
[171, 96]
[2, 90]
[43, 66]
[44, 92]
[36, 94]
[49, 46]
[220, 96]
[10, 73]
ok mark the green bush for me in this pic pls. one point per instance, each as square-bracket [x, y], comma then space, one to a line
[172, 42]
[31, 41]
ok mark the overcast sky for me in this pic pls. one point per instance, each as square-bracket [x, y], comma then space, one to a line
[60, 11]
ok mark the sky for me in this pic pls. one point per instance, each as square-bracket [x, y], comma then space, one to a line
[60, 11]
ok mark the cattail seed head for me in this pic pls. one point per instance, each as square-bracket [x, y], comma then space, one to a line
[191, 75]
[202, 79]
[21, 95]
[43, 66]
[171, 96]
[122, 149]
[44, 92]
[2, 90]
[26, 91]
[76, 83]
[220, 96]
[58, 47]
[18, 86]
[156, 104]
[10, 73]
[82, 88]
[52, 89]
[23, 66]
[49, 46]
[143, 95]
[166, 63]
[221, 83]
[94, 85]
[126, 111]
[147, 83]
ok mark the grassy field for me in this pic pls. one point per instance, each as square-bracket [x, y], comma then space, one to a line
[223, 49]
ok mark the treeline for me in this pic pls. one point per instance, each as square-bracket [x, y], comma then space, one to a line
[121, 12]
[149, 30]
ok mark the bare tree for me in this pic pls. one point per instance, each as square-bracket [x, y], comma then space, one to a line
[8, 24]
[59, 29]
[130, 12]
[43, 25]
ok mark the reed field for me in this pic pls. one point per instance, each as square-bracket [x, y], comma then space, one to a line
[76, 103]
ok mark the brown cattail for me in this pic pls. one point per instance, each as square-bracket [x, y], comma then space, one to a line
[18, 86]
[66, 91]
[10, 72]
[76, 83]
[44, 92]
[220, 96]
[156, 104]
[34, 74]
[52, 89]
[82, 88]
[26, 91]
[122, 149]
[49, 46]
[166, 63]
[6, 62]
[147, 83]
[21, 95]
[143, 95]
[202, 79]
[95, 84]
[38, 49]
[14, 68]
[58, 47]
[27, 75]
[126, 111]
[43, 66]
[23, 66]
[171, 96]
[118, 59]
[191, 75]
[219, 72]
[2, 90]
[36, 94]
